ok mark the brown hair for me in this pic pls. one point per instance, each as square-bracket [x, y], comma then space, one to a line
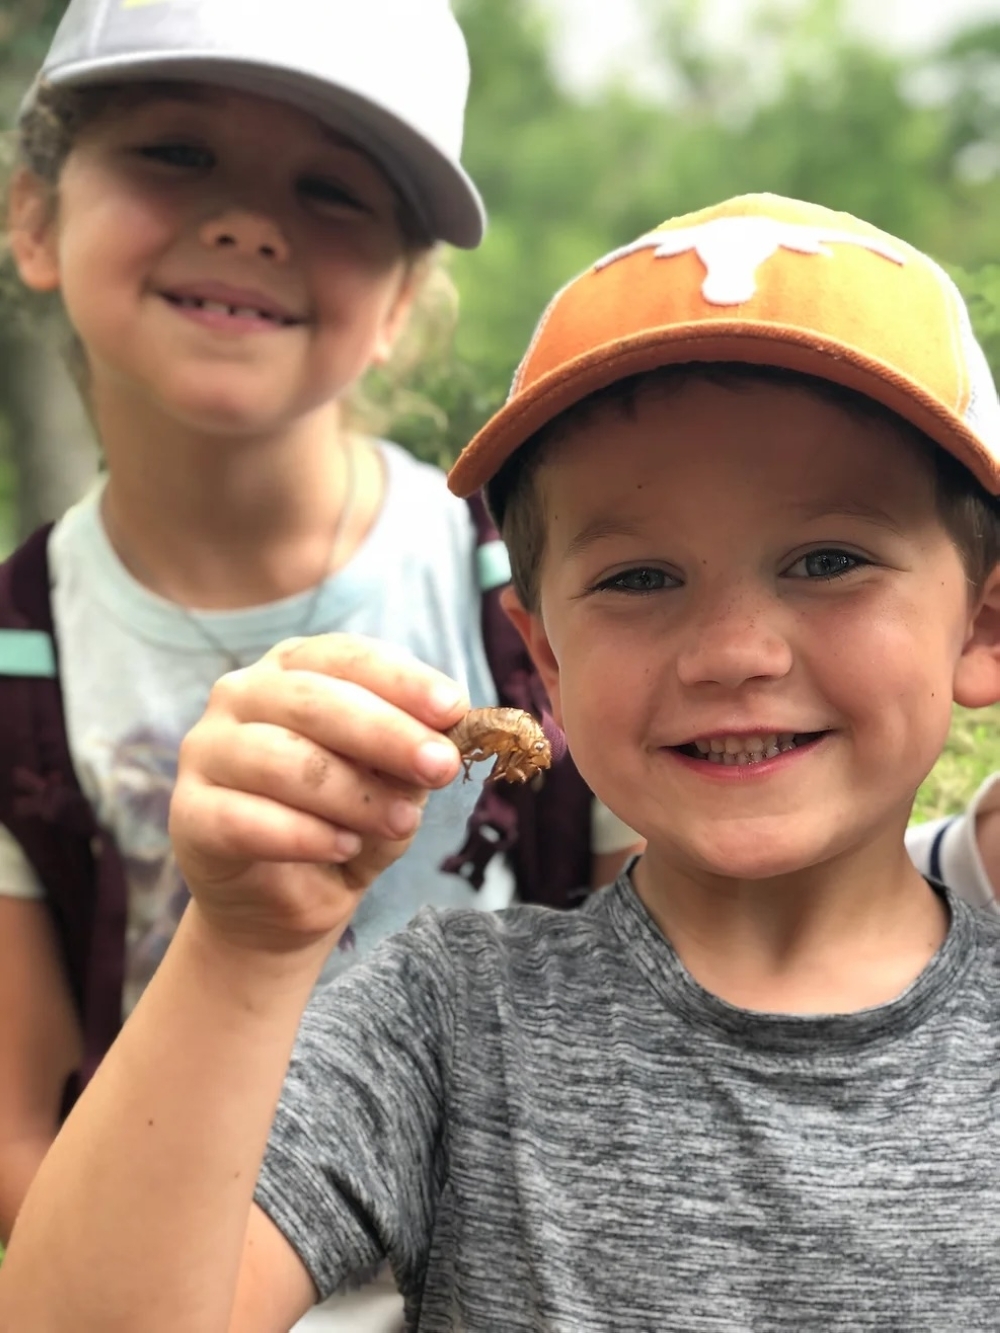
[969, 514]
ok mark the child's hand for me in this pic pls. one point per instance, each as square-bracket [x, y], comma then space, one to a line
[306, 778]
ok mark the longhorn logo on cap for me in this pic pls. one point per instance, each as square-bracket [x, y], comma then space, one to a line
[732, 250]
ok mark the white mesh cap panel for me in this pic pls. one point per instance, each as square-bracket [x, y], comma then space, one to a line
[983, 412]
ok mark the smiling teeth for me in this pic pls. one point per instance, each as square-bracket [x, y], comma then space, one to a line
[742, 750]
[221, 308]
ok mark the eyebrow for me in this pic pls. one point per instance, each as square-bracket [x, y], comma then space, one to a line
[847, 508]
[604, 526]
[598, 529]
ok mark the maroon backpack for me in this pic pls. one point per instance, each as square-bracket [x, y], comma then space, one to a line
[543, 830]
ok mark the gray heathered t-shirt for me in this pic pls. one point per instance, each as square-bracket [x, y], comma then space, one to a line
[546, 1124]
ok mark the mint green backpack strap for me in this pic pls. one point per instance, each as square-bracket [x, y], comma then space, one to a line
[493, 565]
[27, 652]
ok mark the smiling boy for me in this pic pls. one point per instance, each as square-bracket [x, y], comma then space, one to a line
[745, 474]
[756, 662]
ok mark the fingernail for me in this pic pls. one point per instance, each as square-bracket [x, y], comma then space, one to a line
[403, 817]
[446, 697]
[435, 760]
[346, 845]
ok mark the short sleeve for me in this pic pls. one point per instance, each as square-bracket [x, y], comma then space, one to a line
[17, 876]
[354, 1167]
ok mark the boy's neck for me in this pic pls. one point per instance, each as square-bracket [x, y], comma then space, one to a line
[849, 934]
[217, 523]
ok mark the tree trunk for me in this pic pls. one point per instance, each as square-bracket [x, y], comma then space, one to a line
[53, 449]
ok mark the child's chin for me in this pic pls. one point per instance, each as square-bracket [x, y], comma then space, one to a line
[226, 400]
[224, 417]
[757, 858]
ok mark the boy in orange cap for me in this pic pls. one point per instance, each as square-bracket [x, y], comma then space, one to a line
[746, 476]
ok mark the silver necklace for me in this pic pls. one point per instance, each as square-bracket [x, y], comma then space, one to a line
[232, 659]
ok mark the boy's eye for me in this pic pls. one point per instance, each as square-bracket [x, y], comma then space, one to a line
[188, 156]
[332, 194]
[639, 580]
[829, 564]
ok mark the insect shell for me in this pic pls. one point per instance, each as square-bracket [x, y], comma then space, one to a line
[510, 735]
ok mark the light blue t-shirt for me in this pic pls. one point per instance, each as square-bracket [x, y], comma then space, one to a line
[136, 676]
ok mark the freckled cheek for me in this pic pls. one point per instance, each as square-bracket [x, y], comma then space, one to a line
[893, 680]
[605, 692]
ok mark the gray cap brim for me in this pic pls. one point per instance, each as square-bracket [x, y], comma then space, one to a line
[443, 195]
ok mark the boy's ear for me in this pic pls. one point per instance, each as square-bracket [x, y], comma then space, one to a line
[31, 228]
[529, 625]
[977, 674]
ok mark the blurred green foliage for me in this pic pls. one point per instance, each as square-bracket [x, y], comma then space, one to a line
[803, 107]
[981, 290]
[971, 754]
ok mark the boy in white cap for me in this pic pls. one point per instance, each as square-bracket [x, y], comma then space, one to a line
[746, 476]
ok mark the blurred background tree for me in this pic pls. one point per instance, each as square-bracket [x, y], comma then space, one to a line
[802, 106]
[47, 452]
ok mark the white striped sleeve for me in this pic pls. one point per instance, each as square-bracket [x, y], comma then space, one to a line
[947, 850]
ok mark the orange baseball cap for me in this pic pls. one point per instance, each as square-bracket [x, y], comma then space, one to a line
[765, 281]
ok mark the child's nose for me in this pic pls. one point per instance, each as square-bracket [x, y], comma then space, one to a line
[737, 641]
[247, 234]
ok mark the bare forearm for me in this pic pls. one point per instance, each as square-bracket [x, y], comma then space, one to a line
[40, 1046]
[147, 1190]
[20, 1159]
[304, 780]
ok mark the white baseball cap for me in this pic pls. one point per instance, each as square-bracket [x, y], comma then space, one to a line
[391, 74]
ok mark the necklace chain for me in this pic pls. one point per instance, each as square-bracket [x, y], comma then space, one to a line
[232, 659]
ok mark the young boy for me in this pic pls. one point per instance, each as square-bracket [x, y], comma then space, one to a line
[745, 474]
